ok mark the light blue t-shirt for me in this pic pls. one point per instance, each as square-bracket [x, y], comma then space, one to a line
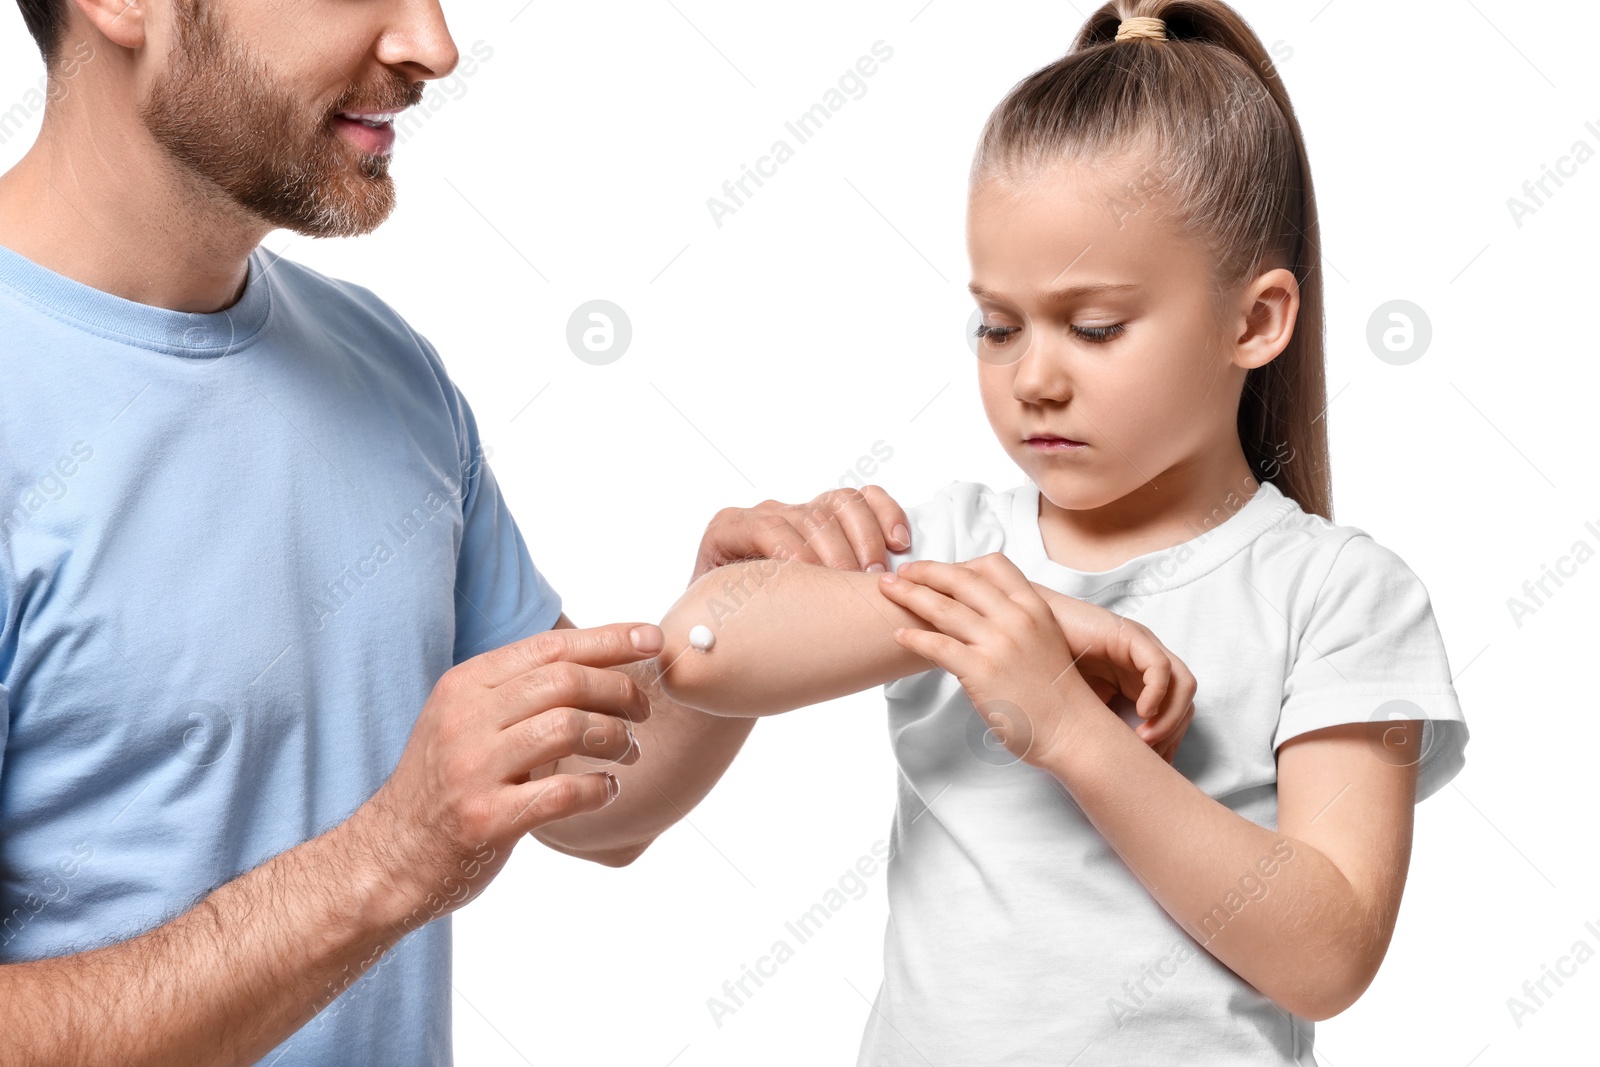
[236, 552]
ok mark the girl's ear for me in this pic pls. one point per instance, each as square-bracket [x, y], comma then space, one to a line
[120, 21]
[1269, 307]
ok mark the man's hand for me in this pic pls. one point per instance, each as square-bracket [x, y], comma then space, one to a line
[846, 529]
[256, 959]
[460, 797]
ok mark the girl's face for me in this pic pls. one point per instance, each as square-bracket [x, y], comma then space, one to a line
[1103, 363]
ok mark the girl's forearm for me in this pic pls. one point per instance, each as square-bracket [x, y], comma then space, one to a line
[786, 635]
[1274, 909]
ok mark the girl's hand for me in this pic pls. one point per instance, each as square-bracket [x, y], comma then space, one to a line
[1025, 654]
[1117, 655]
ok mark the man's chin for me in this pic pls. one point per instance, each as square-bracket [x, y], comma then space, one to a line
[342, 209]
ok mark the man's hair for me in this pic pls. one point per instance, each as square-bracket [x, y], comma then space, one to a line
[47, 20]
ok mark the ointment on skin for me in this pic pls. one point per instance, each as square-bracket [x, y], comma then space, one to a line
[701, 639]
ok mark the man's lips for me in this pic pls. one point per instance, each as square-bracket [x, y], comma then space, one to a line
[370, 131]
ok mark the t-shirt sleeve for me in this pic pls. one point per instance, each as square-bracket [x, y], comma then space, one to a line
[1371, 652]
[959, 522]
[501, 596]
[8, 654]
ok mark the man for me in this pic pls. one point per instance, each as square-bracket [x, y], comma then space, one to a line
[280, 687]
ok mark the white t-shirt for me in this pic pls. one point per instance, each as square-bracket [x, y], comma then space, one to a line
[1016, 934]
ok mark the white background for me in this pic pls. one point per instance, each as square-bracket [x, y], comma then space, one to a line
[825, 316]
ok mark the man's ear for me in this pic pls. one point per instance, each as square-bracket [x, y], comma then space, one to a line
[1269, 307]
[122, 22]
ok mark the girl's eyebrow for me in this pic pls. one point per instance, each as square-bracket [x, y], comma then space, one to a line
[1057, 296]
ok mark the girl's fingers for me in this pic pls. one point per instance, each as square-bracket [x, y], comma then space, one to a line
[1168, 727]
[1158, 728]
[1142, 655]
[960, 583]
[1169, 749]
[943, 613]
[1155, 676]
[1004, 576]
[1168, 684]
[937, 648]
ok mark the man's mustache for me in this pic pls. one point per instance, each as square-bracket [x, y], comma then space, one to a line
[404, 95]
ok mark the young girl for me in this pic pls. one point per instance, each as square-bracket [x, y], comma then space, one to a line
[1144, 248]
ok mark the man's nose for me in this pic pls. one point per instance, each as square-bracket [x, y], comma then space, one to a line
[418, 41]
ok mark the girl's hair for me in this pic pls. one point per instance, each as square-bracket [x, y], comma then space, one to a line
[1222, 150]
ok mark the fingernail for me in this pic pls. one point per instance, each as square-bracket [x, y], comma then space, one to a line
[643, 640]
[890, 576]
[875, 567]
[901, 534]
[613, 787]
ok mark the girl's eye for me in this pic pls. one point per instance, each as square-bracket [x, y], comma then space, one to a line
[1099, 334]
[996, 335]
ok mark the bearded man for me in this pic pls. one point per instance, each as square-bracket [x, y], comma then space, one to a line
[253, 744]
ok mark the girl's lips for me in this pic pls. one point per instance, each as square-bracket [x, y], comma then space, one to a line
[1054, 444]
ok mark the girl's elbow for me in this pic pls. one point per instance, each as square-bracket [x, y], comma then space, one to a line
[683, 676]
[1328, 990]
[1314, 1007]
[694, 679]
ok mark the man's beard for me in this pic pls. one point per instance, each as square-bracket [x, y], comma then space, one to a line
[217, 110]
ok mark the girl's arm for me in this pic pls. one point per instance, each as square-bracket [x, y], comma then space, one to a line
[789, 634]
[1304, 913]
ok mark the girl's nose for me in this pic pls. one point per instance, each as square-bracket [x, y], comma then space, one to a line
[1041, 371]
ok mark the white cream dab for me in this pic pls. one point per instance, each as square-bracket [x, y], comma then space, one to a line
[701, 638]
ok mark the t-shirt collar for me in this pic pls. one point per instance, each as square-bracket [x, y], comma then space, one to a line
[1151, 572]
[179, 333]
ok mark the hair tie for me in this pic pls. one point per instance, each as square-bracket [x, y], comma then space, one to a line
[1139, 26]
